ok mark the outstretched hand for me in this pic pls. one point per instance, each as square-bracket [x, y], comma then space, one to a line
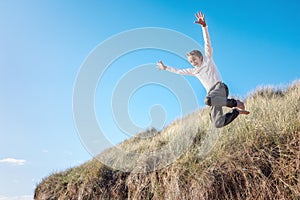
[200, 19]
[160, 65]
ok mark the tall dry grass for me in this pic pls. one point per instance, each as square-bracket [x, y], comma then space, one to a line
[255, 157]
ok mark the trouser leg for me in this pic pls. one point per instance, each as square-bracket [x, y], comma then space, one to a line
[230, 116]
[217, 117]
[217, 98]
[231, 103]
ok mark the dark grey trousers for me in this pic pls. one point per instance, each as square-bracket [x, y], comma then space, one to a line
[217, 97]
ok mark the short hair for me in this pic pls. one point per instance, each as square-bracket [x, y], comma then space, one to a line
[195, 53]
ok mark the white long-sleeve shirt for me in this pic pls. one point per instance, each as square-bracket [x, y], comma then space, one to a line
[207, 73]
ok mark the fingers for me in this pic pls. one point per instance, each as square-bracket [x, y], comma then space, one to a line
[200, 19]
[160, 65]
[199, 15]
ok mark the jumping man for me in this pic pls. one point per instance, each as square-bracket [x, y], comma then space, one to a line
[206, 71]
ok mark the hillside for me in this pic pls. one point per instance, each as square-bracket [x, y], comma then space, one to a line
[255, 157]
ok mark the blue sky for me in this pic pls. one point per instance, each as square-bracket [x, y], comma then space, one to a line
[44, 43]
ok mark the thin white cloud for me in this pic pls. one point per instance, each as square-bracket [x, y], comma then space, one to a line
[23, 197]
[13, 161]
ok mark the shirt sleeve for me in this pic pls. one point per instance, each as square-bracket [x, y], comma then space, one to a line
[188, 71]
[207, 44]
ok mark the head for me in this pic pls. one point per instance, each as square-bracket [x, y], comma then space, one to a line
[195, 57]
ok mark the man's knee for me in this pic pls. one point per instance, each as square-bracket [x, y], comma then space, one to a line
[207, 101]
[231, 103]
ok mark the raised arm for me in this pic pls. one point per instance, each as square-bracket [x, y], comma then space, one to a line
[188, 71]
[207, 45]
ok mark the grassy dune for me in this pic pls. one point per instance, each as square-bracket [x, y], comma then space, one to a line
[255, 157]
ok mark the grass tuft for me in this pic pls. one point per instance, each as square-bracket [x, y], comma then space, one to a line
[255, 157]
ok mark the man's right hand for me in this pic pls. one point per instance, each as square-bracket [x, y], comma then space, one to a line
[200, 19]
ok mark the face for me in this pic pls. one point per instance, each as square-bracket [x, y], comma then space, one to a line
[196, 61]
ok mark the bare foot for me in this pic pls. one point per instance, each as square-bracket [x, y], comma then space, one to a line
[243, 112]
[240, 105]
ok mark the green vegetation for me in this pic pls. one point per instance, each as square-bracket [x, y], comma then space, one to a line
[255, 157]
